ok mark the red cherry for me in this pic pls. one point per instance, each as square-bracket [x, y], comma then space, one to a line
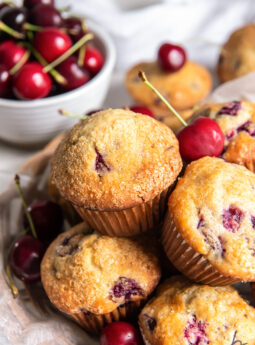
[202, 138]
[142, 110]
[51, 43]
[93, 60]
[5, 82]
[31, 82]
[47, 218]
[32, 3]
[75, 75]
[10, 53]
[120, 333]
[45, 15]
[74, 27]
[171, 57]
[25, 258]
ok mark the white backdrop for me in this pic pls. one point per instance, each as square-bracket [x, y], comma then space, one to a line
[138, 32]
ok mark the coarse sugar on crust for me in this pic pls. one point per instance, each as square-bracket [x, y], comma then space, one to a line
[116, 159]
[91, 273]
[186, 313]
[212, 208]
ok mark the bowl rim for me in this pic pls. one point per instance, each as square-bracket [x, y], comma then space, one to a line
[110, 52]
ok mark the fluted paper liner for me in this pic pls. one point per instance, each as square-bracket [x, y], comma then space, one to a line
[192, 264]
[94, 323]
[129, 222]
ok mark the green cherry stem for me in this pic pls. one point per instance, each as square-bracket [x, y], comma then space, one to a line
[11, 284]
[19, 64]
[10, 31]
[69, 52]
[69, 114]
[81, 56]
[32, 27]
[55, 74]
[30, 220]
[142, 76]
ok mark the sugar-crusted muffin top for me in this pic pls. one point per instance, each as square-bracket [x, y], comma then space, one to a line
[237, 56]
[116, 159]
[185, 313]
[237, 121]
[183, 89]
[94, 273]
[213, 207]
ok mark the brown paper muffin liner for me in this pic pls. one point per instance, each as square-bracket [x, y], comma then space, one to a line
[128, 222]
[192, 264]
[94, 323]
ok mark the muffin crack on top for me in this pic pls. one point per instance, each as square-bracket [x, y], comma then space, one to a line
[116, 159]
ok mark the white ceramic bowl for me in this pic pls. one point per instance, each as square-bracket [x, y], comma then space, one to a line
[28, 123]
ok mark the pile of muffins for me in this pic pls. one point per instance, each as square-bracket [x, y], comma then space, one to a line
[122, 172]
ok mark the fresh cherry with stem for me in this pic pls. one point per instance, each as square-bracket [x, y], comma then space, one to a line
[171, 57]
[14, 17]
[29, 4]
[202, 138]
[75, 26]
[52, 43]
[11, 53]
[45, 16]
[48, 219]
[93, 60]
[30, 82]
[27, 251]
[120, 333]
[74, 75]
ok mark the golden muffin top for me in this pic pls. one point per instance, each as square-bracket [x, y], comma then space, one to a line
[237, 56]
[186, 313]
[116, 159]
[213, 207]
[183, 89]
[97, 274]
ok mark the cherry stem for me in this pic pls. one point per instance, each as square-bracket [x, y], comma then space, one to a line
[65, 9]
[10, 31]
[20, 63]
[30, 220]
[69, 114]
[69, 52]
[32, 27]
[11, 284]
[81, 56]
[55, 74]
[142, 76]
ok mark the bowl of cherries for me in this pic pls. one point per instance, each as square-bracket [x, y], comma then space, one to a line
[49, 59]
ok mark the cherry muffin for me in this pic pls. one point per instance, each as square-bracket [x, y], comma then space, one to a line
[183, 89]
[117, 167]
[237, 56]
[237, 121]
[185, 313]
[98, 279]
[208, 232]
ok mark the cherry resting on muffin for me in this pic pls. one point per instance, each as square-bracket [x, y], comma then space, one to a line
[120, 333]
[171, 57]
[202, 138]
